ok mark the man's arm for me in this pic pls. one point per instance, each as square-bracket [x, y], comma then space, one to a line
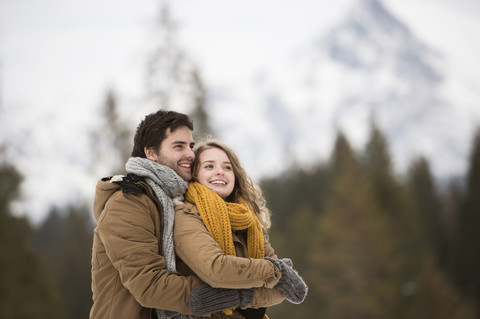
[129, 230]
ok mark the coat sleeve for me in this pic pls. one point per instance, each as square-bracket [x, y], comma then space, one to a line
[199, 250]
[128, 231]
[267, 297]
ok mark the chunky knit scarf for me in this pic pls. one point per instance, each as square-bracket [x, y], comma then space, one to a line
[221, 217]
[166, 184]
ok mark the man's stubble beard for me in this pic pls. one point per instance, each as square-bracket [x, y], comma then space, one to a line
[176, 168]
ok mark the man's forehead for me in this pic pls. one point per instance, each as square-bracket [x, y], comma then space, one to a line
[179, 135]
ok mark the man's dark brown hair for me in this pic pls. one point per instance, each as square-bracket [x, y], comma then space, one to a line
[153, 130]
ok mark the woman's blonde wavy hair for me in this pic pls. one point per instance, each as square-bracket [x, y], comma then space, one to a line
[244, 186]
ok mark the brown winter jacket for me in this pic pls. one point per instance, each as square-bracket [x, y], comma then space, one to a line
[129, 276]
[201, 255]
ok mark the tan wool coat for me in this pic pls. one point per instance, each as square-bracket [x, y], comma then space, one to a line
[200, 254]
[129, 276]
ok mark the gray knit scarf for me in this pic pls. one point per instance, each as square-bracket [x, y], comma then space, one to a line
[166, 184]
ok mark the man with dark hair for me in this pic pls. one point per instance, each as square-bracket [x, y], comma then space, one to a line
[133, 260]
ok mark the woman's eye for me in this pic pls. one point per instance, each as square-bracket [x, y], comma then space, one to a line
[228, 168]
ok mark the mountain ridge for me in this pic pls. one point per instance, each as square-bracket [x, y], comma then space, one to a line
[368, 67]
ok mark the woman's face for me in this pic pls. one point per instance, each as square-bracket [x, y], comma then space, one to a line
[216, 172]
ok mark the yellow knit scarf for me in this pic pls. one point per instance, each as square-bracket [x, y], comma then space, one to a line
[220, 217]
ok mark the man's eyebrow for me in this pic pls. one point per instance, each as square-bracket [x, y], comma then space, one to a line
[179, 142]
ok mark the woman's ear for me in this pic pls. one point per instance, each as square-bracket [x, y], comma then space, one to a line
[150, 153]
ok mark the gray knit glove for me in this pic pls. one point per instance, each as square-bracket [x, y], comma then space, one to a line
[204, 299]
[292, 286]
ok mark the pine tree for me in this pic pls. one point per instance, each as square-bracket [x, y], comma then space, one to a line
[422, 288]
[295, 244]
[293, 191]
[344, 242]
[451, 201]
[111, 141]
[25, 288]
[351, 267]
[427, 207]
[467, 261]
[394, 204]
[199, 114]
[65, 242]
[164, 61]
[380, 172]
[76, 247]
[173, 79]
[170, 74]
[436, 296]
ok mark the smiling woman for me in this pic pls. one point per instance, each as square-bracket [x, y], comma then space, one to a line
[220, 236]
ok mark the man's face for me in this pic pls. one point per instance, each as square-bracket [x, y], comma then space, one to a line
[176, 152]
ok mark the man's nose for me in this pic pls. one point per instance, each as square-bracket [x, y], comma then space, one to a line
[190, 154]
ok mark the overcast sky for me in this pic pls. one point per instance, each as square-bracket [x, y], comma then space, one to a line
[58, 57]
[56, 49]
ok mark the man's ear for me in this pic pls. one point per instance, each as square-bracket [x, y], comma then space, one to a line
[150, 153]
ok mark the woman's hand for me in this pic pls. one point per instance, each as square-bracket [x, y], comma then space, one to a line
[290, 284]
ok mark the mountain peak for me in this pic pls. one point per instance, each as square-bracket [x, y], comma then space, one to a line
[371, 38]
[376, 13]
[368, 64]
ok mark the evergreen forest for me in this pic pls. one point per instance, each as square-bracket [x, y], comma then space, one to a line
[369, 244]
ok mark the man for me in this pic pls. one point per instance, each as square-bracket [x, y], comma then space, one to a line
[133, 271]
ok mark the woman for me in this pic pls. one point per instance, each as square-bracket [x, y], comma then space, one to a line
[220, 234]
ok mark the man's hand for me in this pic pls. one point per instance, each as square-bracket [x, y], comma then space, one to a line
[204, 299]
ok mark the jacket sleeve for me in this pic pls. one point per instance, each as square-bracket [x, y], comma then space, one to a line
[128, 231]
[267, 297]
[199, 250]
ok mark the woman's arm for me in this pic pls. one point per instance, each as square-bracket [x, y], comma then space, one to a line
[266, 297]
[199, 250]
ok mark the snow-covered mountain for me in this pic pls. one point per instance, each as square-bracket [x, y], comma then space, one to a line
[369, 66]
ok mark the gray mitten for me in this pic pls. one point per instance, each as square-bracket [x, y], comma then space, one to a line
[205, 299]
[290, 284]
